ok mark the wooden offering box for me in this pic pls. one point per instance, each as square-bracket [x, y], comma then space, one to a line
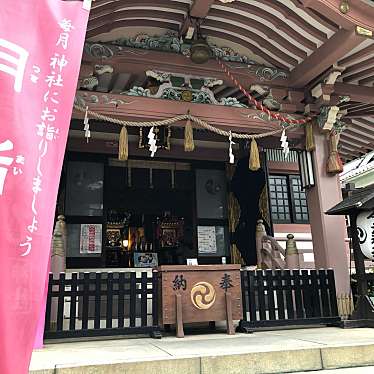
[200, 293]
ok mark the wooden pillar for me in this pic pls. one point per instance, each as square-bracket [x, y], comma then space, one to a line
[179, 324]
[328, 232]
[58, 260]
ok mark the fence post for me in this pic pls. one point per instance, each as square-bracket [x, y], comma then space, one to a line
[292, 254]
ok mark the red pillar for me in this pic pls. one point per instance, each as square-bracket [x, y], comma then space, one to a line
[328, 232]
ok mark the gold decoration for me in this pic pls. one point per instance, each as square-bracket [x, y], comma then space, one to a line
[123, 145]
[186, 96]
[189, 144]
[264, 206]
[309, 138]
[254, 157]
[364, 32]
[203, 295]
[344, 6]
[233, 217]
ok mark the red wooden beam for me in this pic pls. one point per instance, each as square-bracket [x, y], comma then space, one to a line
[356, 93]
[325, 56]
[360, 13]
[138, 61]
[150, 109]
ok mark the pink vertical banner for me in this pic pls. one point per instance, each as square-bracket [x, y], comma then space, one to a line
[38, 341]
[41, 45]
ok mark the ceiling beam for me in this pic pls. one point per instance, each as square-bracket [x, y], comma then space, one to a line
[356, 93]
[360, 13]
[198, 9]
[324, 57]
[109, 7]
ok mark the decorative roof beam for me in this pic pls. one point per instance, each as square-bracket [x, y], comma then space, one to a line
[137, 61]
[143, 108]
[361, 74]
[247, 22]
[103, 8]
[358, 56]
[109, 22]
[275, 21]
[324, 57]
[356, 93]
[360, 13]
[360, 114]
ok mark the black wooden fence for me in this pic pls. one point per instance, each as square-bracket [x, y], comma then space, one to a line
[288, 297]
[99, 304]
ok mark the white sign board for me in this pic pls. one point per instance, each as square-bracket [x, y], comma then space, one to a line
[90, 241]
[206, 238]
[365, 228]
[192, 261]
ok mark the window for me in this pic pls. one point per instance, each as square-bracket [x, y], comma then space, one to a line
[287, 199]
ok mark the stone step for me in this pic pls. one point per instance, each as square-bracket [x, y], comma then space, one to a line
[294, 351]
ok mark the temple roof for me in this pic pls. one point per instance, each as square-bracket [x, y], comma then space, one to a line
[360, 199]
[312, 53]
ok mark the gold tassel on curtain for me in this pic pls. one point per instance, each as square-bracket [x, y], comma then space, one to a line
[233, 217]
[334, 162]
[123, 145]
[254, 156]
[309, 138]
[189, 144]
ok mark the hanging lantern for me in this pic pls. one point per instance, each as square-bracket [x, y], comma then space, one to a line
[200, 49]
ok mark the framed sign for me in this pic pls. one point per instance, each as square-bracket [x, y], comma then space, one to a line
[91, 238]
[206, 237]
[365, 228]
[212, 241]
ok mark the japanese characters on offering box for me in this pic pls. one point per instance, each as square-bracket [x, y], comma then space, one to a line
[46, 131]
[180, 283]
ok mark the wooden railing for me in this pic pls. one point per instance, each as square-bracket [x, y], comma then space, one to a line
[288, 297]
[271, 255]
[94, 304]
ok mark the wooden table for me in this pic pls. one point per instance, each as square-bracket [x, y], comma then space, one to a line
[198, 294]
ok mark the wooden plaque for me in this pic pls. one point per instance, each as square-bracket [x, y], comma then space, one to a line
[202, 289]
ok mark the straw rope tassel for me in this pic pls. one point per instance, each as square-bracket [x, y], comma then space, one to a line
[254, 157]
[189, 144]
[334, 163]
[309, 138]
[123, 145]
